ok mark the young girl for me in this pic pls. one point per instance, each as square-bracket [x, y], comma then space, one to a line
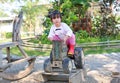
[61, 31]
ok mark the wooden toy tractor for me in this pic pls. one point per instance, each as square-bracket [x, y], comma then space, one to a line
[58, 67]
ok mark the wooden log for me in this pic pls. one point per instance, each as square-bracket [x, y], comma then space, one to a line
[22, 51]
[16, 27]
[12, 59]
[8, 44]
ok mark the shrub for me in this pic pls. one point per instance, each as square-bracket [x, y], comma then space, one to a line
[8, 34]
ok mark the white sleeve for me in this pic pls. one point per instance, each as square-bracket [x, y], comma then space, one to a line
[51, 33]
[68, 30]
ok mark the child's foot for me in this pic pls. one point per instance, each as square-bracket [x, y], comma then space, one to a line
[71, 56]
[71, 51]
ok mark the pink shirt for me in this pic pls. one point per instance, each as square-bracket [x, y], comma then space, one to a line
[61, 31]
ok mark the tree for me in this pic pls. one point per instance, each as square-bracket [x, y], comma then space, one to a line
[105, 24]
[32, 11]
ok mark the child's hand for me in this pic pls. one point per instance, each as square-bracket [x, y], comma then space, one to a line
[51, 39]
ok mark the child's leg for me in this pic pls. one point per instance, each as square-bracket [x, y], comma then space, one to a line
[71, 44]
[56, 38]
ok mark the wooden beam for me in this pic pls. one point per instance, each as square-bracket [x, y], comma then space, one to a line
[22, 51]
[8, 54]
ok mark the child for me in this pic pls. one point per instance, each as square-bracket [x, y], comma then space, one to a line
[61, 31]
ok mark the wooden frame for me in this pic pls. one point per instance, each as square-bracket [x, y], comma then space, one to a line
[16, 41]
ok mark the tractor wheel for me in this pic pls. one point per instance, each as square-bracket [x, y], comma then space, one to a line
[79, 58]
[47, 65]
[51, 57]
[67, 65]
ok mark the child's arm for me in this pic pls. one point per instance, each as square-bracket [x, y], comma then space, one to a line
[68, 30]
[51, 33]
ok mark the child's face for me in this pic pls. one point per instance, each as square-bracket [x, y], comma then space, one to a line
[56, 20]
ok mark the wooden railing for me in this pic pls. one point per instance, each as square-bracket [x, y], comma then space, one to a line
[43, 47]
[100, 44]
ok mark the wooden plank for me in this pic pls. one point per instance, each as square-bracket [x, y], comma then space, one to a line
[22, 51]
[8, 44]
[99, 45]
[77, 77]
[55, 76]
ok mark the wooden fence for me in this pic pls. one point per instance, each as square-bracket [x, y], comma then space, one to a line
[115, 43]
[44, 47]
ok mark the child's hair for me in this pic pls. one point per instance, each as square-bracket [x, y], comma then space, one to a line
[54, 14]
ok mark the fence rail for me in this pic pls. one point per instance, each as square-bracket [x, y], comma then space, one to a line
[44, 47]
[100, 44]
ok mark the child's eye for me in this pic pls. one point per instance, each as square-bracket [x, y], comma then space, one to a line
[57, 16]
[54, 17]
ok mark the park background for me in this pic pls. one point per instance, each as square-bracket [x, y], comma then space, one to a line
[96, 24]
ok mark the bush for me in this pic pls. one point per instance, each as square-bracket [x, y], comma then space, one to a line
[8, 34]
[44, 39]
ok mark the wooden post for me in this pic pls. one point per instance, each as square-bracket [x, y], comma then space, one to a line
[22, 51]
[8, 54]
[16, 27]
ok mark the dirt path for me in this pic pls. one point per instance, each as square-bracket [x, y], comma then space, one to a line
[101, 66]
[99, 69]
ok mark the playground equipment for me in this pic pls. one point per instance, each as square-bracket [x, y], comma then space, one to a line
[14, 61]
[60, 68]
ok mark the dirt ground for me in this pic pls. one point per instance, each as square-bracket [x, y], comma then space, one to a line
[101, 68]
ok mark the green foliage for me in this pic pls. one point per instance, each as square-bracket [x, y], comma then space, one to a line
[41, 40]
[66, 4]
[47, 24]
[8, 34]
[44, 39]
[105, 26]
[36, 41]
[30, 52]
[100, 50]
[72, 10]
[81, 34]
[2, 14]
[32, 12]
[84, 37]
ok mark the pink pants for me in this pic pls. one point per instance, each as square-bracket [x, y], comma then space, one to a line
[70, 41]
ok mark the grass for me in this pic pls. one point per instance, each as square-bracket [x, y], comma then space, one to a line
[100, 50]
[31, 52]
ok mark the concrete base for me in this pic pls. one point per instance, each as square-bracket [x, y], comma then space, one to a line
[55, 77]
